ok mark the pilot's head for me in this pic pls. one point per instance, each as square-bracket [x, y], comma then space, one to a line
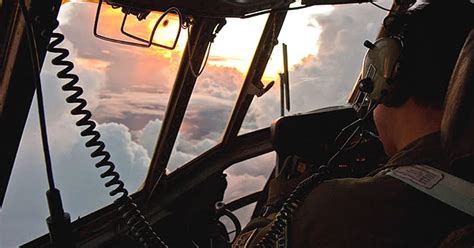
[432, 36]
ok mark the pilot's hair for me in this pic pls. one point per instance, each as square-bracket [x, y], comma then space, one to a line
[433, 37]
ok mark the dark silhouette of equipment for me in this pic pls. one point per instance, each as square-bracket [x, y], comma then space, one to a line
[285, 83]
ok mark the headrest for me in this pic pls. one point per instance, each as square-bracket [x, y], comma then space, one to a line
[457, 127]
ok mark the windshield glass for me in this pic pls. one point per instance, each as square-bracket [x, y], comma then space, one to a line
[217, 89]
[125, 87]
[325, 53]
[127, 90]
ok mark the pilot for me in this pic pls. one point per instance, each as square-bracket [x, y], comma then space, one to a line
[380, 210]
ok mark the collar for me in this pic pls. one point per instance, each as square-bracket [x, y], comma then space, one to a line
[424, 150]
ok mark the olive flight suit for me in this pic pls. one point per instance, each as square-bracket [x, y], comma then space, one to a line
[379, 210]
[375, 211]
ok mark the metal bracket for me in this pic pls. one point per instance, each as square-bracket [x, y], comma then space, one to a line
[259, 89]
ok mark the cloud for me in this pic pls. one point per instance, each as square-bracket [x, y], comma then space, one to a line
[241, 185]
[82, 189]
[184, 149]
[326, 78]
[255, 167]
[148, 135]
[146, 75]
[155, 66]
[25, 209]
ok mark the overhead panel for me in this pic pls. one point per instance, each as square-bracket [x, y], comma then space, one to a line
[332, 2]
[212, 8]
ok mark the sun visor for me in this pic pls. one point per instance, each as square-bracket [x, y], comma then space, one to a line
[214, 8]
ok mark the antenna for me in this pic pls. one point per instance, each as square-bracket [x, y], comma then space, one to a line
[285, 83]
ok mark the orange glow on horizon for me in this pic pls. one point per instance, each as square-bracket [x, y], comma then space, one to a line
[234, 46]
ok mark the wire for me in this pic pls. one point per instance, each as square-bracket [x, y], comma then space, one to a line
[372, 105]
[208, 51]
[278, 226]
[345, 129]
[343, 147]
[275, 11]
[380, 6]
[33, 48]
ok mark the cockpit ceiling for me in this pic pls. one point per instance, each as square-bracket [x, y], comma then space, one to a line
[217, 8]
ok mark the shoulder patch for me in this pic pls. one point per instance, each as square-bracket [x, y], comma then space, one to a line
[449, 189]
[421, 175]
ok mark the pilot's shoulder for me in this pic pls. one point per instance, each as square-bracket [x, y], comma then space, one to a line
[357, 188]
[365, 210]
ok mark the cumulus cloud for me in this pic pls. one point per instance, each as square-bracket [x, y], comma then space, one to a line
[245, 178]
[330, 74]
[137, 79]
[241, 185]
[184, 150]
[82, 189]
[25, 208]
[255, 167]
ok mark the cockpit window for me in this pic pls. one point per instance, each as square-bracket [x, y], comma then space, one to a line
[217, 89]
[127, 90]
[245, 178]
[325, 52]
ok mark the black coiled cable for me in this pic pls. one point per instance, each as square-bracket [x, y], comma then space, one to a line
[128, 210]
[291, 204]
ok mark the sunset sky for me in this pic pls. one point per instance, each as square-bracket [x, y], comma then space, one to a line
[127, 90]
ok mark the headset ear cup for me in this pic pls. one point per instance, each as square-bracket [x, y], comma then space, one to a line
[396, 96]
[399, 90]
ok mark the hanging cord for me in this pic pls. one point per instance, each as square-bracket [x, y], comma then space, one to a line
[278, 226]
[380, 6]
[263, 12]
[360, 129]
[275, 11]
[187, 25]
[208, 51]
[279, 10]
[128, 210]
[33, 48]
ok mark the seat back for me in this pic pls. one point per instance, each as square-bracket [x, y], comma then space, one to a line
[457, 128]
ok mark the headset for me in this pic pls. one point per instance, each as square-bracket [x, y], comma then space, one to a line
[380, 77]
